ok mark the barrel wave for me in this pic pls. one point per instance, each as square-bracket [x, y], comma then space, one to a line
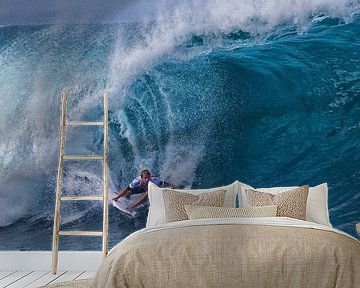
[266, 96]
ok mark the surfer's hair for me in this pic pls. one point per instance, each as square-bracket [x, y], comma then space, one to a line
[145, 172]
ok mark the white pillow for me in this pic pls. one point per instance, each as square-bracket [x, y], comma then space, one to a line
[316, 207]
[242, 198]
[156, 213]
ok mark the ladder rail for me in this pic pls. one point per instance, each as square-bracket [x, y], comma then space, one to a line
[105, 176]
[55, 244]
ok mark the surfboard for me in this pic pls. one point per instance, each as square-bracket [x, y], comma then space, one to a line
[124, 202]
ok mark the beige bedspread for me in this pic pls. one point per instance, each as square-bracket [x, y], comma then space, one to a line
[233, 255]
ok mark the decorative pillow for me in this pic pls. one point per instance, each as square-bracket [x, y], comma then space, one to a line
[200, 212]
[290, 203]
[156, 214]
[316, 207]
[175, 201]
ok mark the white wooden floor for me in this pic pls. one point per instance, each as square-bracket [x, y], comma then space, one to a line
[32, 279]
[33, 268]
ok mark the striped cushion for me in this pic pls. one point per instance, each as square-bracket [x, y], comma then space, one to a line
[200, 212]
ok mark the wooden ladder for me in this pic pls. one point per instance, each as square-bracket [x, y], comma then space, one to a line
[104, 197]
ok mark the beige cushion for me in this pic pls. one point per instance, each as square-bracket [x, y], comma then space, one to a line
[174, 202]
[317, 204]
[290, 203]
[156, 214]
[200, 212]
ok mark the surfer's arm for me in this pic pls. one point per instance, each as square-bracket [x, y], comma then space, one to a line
[138, 201]
[122, 193]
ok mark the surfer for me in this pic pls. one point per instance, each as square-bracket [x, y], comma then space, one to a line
[140, 185]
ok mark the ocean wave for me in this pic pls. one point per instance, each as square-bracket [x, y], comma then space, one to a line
[262, 92]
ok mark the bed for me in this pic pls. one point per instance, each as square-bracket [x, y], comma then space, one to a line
[262, 243]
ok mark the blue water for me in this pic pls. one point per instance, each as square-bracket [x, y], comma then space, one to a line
[267, 99]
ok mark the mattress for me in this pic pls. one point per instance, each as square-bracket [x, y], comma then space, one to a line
[234, 252]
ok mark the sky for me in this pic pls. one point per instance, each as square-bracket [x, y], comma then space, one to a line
[24, 12]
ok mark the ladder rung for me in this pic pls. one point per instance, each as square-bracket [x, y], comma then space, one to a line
[76, 198]
[80, 233]
[80, 123]
[73, 157]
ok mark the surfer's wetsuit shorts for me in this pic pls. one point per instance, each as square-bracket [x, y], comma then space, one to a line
[137, 190]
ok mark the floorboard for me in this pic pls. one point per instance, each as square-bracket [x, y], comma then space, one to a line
[87, 274]
[28, 279]
[13, 277]
[68, 276]
[46, 279]
[4, 274]
[34, 279]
